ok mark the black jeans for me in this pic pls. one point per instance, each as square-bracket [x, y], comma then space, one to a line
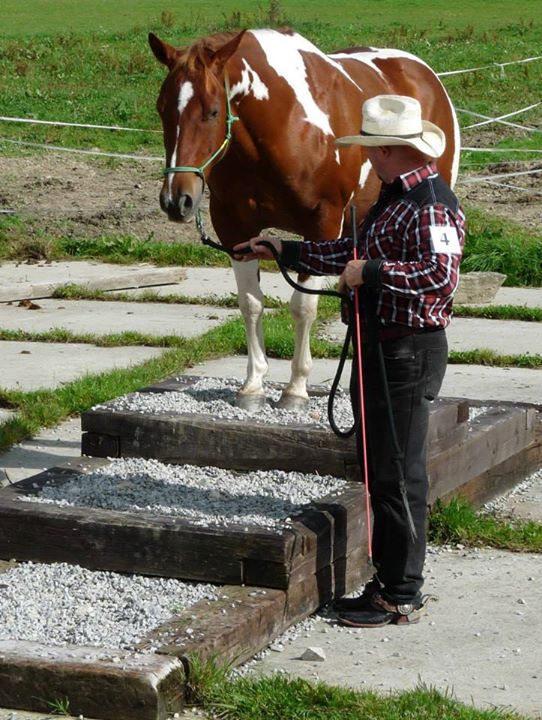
[415, 366]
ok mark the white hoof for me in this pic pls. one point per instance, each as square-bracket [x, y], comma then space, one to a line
[294, 403]
[250, 402]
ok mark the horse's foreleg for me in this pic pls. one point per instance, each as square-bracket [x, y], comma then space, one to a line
[303, 308]
[251, 395]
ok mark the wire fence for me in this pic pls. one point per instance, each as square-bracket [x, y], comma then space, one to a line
[485, 120]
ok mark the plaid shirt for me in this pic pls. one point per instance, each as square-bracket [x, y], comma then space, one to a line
[414, 272]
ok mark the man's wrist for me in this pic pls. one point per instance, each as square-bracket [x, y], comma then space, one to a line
[370, 273]
[290, 253]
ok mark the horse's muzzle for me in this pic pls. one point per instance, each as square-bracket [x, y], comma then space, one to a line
[180, 208]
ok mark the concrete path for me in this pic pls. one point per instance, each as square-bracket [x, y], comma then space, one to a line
[19, 281]
[504, 337]
[480, 640]
[29, 366]
[104, 318]
[486, 652]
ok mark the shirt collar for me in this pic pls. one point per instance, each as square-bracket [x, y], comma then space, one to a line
[408, 180]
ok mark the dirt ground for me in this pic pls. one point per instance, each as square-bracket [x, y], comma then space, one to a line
[67, 195]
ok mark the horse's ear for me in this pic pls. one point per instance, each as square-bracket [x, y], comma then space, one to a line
[164, 53]
[221, 56]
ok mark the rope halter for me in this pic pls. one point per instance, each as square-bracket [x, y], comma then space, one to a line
[230, 119]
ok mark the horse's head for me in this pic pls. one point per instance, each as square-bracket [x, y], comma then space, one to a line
[194, 111]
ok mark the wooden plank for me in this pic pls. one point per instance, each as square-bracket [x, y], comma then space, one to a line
[138, 687]
[142, 543]
[493, 437]
[175, 547]
[205, 440]
[504, 476]
[246, 619]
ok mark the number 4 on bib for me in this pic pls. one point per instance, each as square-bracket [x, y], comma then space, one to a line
[444, 240]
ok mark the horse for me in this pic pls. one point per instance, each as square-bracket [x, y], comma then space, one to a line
[254, 115]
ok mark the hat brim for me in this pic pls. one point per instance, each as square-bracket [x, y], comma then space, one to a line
[432, 141]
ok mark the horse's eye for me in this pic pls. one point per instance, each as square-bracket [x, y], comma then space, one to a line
[212, 114]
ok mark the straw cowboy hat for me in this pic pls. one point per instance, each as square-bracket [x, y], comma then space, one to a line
[396, 120]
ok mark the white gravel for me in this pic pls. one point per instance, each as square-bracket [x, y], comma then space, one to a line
[523, 492]
[216, 397]
[64, 604]
[204, 495]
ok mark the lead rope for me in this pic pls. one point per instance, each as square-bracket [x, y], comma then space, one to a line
[353, 312]
[359, 421]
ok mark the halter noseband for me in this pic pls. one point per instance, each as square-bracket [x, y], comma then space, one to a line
[230, 119]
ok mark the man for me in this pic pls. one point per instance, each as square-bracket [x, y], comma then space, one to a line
[411, 245]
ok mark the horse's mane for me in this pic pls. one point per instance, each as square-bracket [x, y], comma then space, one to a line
[194, 56]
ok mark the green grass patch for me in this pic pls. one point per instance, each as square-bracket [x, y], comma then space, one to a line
[493, 244]
[457, 522]
[90, 63]
[278, 697]
[77, 292]
[493, 359]
[499, 312]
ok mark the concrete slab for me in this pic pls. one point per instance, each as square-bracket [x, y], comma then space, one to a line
[505, 337]
[530, 297]
[50, 447]
[208, 282]
[103, 318]
[29, 366]
[19, 281]
[480, 641]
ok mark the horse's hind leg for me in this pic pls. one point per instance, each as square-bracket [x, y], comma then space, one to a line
[251, 395]
[303, 308]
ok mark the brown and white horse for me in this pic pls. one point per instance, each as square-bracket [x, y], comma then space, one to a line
[281, 167]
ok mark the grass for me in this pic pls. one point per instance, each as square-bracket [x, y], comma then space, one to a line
[493, 244]
[278, 697]
[91, 63]
[493, 359]
[72, 291]
[457, 522]
[499, 312]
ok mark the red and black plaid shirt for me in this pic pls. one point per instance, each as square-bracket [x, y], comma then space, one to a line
[415, 281]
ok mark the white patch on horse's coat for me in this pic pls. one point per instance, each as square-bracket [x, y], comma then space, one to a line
[364, 173]
[284, 56]
[337, 156]
[250, 82]
[369, 56]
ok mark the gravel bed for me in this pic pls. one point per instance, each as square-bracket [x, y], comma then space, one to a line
[204, 495]
[63, 604]
[216, 397]
[521, 492]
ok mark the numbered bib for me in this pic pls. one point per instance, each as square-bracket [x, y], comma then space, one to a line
[444, 240]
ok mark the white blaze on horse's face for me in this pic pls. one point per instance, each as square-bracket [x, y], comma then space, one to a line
[186, 92]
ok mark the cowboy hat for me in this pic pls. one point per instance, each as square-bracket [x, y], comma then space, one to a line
[396, 120]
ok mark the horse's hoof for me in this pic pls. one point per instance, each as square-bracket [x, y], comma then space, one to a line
[294, 403]
[250, 402]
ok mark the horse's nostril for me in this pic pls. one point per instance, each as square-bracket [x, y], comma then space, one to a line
[164, 202]
[186, 204]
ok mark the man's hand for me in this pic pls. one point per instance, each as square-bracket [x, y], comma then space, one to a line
[254, 250]
[352, 276]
